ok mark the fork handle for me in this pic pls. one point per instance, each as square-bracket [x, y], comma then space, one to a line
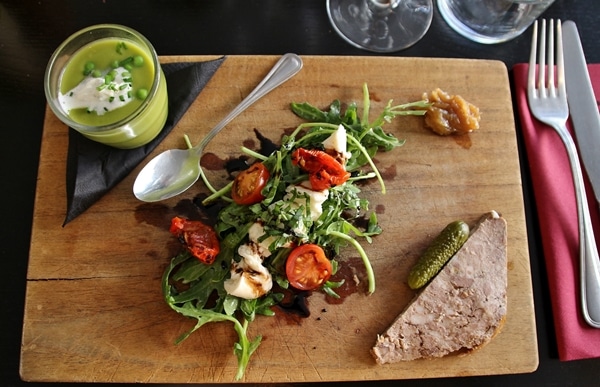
[588, 252]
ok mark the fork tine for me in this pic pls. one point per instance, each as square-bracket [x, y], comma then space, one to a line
[532, 59]
[542, 62]
[560, 59]
[551, 81]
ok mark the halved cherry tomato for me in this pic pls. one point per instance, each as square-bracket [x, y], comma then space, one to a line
[307, 267]
[323, 169]
[248, 184]
[199, 238]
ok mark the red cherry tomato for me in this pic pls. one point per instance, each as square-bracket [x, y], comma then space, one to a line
[323, 169]
[199, 238]
[307, 267]
[249, 183]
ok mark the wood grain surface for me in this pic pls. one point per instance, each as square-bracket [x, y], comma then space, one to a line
[94, 308]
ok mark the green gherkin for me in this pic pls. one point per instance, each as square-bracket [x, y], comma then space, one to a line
[443, 247]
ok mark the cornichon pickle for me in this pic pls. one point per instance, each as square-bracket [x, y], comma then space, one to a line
[443, 247]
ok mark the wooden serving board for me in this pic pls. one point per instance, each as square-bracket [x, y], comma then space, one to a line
[94, 309]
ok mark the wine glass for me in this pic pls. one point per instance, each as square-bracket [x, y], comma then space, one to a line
[380, 25]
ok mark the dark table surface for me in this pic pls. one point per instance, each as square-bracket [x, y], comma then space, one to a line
[31, 30]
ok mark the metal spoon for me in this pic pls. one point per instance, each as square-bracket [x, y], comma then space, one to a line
[174, 171]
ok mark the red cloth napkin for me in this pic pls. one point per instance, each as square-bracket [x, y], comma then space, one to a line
[557, 212]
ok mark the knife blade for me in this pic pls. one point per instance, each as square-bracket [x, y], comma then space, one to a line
[582, 104]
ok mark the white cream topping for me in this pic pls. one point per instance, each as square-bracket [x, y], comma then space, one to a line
[94, 94]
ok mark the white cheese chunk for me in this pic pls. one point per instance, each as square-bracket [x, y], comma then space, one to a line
[256, 232]
[249, 278]
[315, 199]
[338, 142]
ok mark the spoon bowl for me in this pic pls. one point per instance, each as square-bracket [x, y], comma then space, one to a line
[167, 175]
[174, 171]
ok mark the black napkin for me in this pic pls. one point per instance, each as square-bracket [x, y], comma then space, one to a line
[94, 168]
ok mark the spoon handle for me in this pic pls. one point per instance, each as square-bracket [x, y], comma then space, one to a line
[284, 69]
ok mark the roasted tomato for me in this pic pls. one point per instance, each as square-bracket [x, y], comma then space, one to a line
[199, 238]
[307, 267]
[249, 183]
[324, 171]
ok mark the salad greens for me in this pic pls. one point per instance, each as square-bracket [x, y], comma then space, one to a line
[196, 290]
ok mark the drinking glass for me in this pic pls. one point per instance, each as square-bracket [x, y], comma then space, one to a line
[380, 25]
[491, 21]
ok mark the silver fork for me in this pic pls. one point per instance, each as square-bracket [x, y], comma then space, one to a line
[548, 103]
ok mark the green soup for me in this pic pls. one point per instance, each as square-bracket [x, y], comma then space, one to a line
[115, 77]
[105, 82]
[102, 57]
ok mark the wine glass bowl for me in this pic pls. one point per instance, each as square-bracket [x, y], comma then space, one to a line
[380, 25]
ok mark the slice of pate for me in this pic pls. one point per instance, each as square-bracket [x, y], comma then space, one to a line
[462, 307]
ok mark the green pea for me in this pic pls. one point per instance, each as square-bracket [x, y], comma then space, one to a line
[96, 73]
[138, 61]
[88, 68]
[114, 64]
[142, 94]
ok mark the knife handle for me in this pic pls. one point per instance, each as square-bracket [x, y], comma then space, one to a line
[589, 262]
[590, 277]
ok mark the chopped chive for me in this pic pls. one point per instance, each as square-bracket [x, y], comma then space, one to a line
[111, 99]
[70, 94]
[105, 109]
[128, 67]
[123, 86]
[122, 98]
[129, 94]
[101, 87]
[127, 79]
[126, 61]
[120, 47]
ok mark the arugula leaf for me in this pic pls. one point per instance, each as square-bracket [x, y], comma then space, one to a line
[309, 112]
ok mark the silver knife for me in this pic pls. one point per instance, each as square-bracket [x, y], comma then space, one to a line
[582, 104]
